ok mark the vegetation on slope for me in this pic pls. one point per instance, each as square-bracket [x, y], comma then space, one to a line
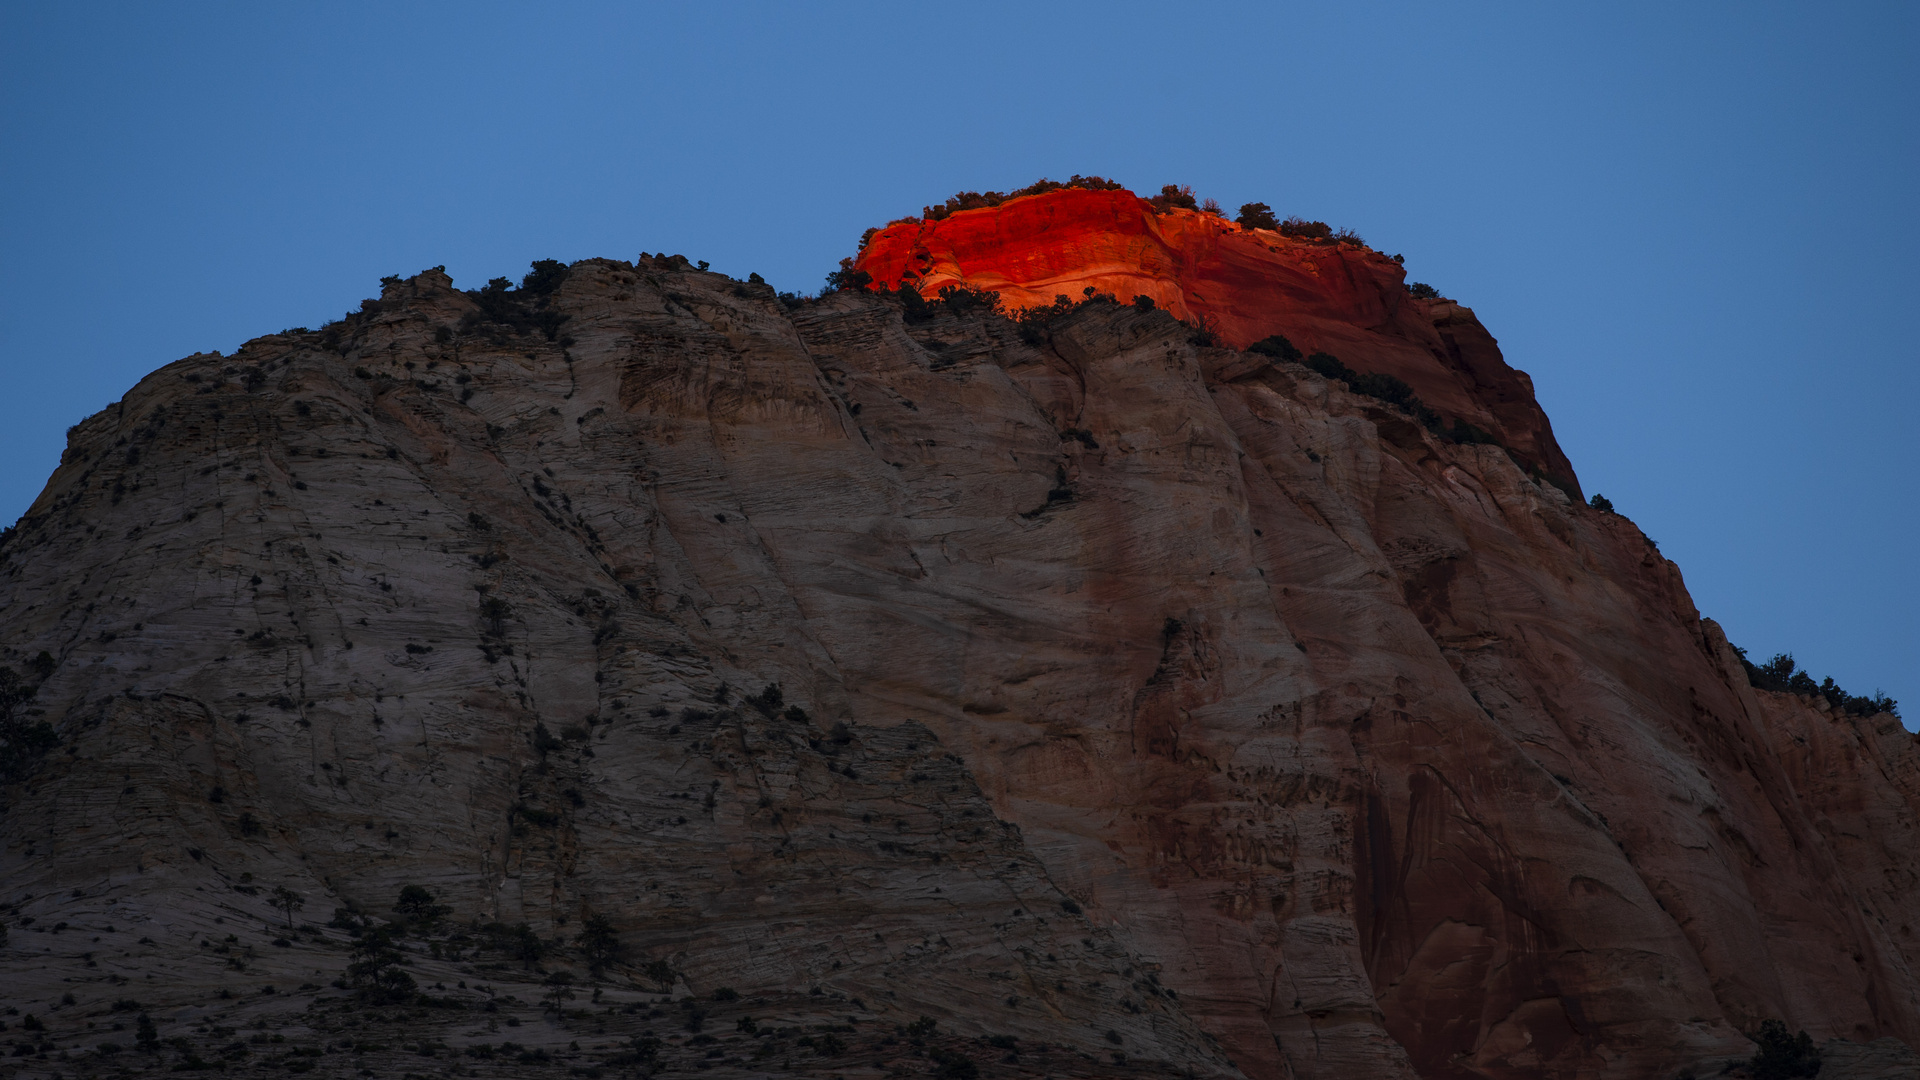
[1783, 675]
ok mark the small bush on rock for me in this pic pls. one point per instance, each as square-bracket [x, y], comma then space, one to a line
[961, 299]
[1033, 321]
[524, 309]
[1174, 196]
[1302, 229]
[1257, 215]
[847, 278]
[416, 904]
[768, 701]
[545, 276]
[599, 943]
[1782, 675]
[1277, 347]
[913, 307]
[1377, 385]
[495, 612]
[375, 973]
[517, 941]
[1782, 1056]
[975, 200]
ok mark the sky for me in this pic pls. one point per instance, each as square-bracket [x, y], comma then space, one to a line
[1694, 225]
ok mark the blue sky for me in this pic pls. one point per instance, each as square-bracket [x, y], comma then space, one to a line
[1695, 225]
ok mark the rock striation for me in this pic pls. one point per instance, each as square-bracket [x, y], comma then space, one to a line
[787, 673]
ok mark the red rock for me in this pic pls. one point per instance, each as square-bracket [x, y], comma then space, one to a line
[1244, 284]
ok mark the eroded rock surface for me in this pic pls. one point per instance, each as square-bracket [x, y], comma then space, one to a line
[1154, 708]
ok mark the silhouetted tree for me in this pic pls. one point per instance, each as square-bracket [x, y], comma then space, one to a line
[1782, 1056]
[288, 901]
[599, 942]
[1257, 215]
[1175, 196]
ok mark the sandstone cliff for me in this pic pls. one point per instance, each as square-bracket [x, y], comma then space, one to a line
[1243, 283]
[1141, 707]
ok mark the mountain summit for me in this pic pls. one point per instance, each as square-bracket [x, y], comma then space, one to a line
[635, 671]
[1239, 283]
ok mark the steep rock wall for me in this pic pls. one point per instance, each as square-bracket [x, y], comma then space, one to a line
[1154, 690]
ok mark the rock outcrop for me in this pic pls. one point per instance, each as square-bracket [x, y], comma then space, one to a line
[1133, 704]
[1243, 284]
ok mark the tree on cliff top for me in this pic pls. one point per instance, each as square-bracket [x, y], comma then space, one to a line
[545, 276]
[1257, 215]
[1175, 196]
[1782, 674]
[847, 278]
[975, 200]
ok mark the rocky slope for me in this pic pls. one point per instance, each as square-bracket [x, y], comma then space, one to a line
[1142, 707]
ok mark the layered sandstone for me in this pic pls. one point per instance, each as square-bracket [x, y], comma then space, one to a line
[1242, 283]
[1160, 707]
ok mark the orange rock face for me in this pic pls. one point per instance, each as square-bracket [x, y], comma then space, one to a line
[1244, 284]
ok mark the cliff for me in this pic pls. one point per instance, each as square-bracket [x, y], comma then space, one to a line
[1244, 284]
[787, 673]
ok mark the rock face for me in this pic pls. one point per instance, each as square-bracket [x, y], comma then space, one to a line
[1144, 706]
[1244, 284]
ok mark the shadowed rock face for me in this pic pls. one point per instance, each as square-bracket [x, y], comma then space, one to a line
[1244, 284]
[1145, 692]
